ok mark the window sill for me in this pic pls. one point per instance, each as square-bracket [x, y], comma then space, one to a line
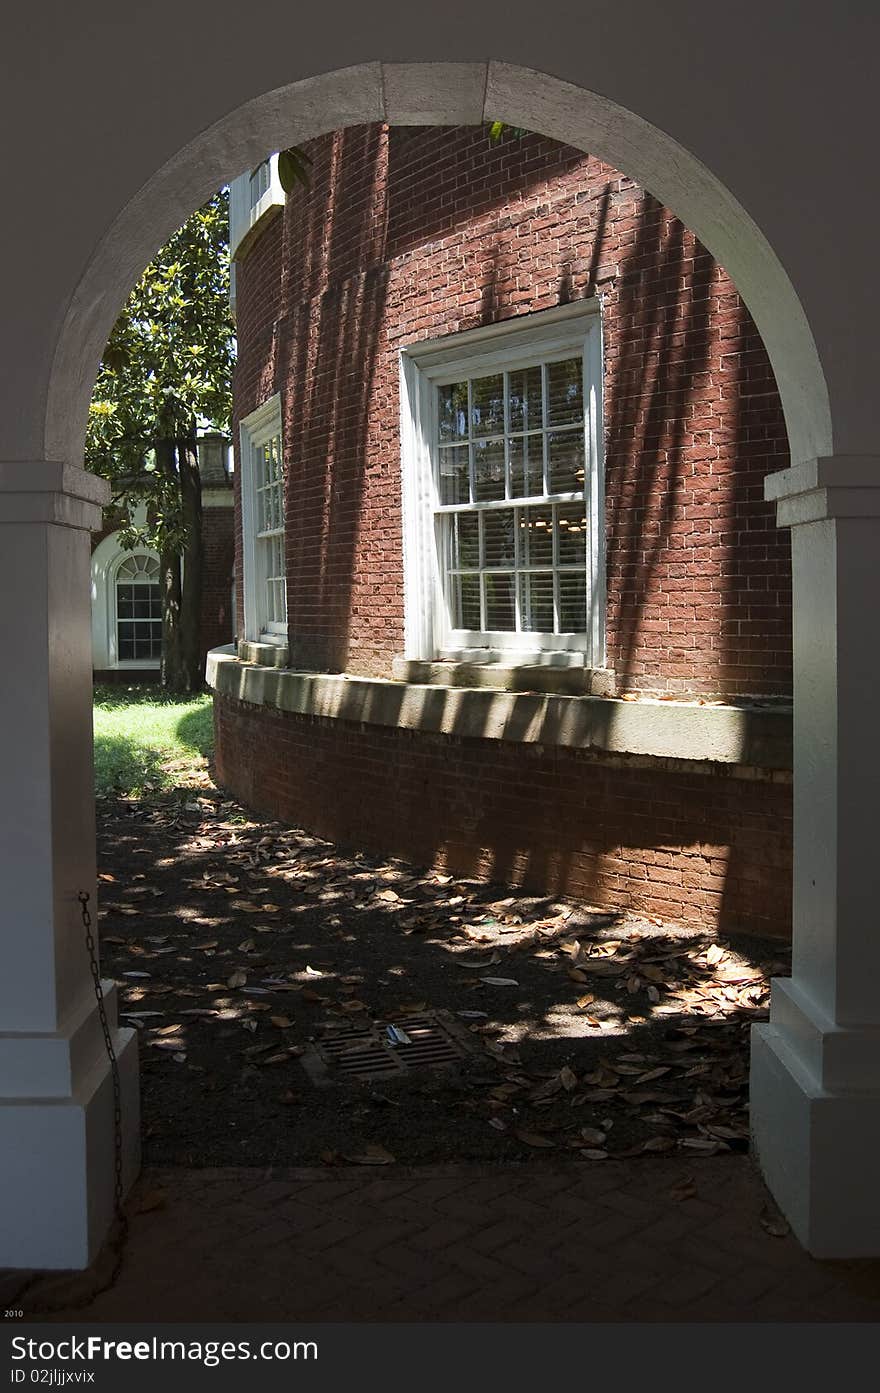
[752, 741]
[544, 674]
[265, 653]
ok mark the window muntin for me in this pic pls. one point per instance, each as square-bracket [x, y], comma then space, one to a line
[138, 609]
[262, 503]
[511, 513]
[269, 491]
[258, 183]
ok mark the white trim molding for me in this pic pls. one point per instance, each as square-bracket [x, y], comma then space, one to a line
[526, 342]
[107, 557]
[255, 199]
[256, 431]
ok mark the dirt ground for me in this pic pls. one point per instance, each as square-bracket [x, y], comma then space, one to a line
[238, 943]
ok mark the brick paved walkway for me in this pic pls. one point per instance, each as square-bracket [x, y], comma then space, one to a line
[613, 1241]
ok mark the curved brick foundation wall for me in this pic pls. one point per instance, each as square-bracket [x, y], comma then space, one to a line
[707, 849]
[410, 234]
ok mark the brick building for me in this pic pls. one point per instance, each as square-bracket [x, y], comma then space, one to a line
[126, 602]
[511, 601]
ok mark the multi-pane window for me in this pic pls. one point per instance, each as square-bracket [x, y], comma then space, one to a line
[138, 609]
[258, 183]
[255, 197]
[511, 473]
[502, 488]
[269, 494]
[262, 510]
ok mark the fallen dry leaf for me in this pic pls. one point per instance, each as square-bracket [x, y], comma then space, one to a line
[146, 1202]
[658, 1144]
[592, 1136]
[774, 1224]
[532, 1138]
[685, 1189]
[372, 1155]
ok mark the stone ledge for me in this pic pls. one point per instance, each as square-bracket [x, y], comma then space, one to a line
[568, 680]
[274, 655]
[748, 736]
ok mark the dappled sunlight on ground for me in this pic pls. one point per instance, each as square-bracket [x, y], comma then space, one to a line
[240, 945]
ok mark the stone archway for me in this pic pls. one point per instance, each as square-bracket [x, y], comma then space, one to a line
[817, 1109]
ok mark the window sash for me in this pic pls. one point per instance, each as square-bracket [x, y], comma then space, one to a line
[263, 523]
[258, 183]
[512, 346]
[545, 587]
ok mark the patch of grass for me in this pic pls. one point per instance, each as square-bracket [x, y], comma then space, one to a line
[149, 741]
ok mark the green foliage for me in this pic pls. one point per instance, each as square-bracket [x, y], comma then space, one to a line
[498, 130]
[167, 369]
[293, 168]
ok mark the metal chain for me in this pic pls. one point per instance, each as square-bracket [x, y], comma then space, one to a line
[118, 1189]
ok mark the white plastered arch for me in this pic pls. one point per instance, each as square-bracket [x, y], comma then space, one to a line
[438, 94]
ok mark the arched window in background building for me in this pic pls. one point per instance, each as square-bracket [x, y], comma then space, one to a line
[138, 608]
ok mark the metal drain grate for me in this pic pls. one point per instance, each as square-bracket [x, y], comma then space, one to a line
[360, 1053]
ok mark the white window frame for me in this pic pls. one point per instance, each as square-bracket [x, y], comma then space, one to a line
[254, 200]
[116, 621]
[255, 431]
[107, 557]
[517, 343]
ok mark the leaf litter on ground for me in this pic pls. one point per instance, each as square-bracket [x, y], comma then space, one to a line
[646, 1022]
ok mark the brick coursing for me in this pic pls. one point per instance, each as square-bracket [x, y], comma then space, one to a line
[218, 569]
[703, 849]
[409, 234]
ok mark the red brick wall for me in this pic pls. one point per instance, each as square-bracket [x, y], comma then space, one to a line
[411, 234]
[218, 569]
[408, 234]
[705, 849]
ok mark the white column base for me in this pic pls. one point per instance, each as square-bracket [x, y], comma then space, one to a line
[57, 1158]
[815, 1117]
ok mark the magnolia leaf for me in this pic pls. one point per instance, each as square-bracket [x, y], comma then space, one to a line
[372, 1155]
[774, 1224]
[592, 1136]
[293, 168]
[532, 1138]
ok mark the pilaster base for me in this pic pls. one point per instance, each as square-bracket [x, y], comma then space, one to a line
[817, 1145]
[57, 1158]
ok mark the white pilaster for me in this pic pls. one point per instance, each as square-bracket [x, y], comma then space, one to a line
[56, 1094]
[815, 1075]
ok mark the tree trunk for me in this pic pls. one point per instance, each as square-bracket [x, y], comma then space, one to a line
[191, 600]
[182, 570]
[172, 590]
